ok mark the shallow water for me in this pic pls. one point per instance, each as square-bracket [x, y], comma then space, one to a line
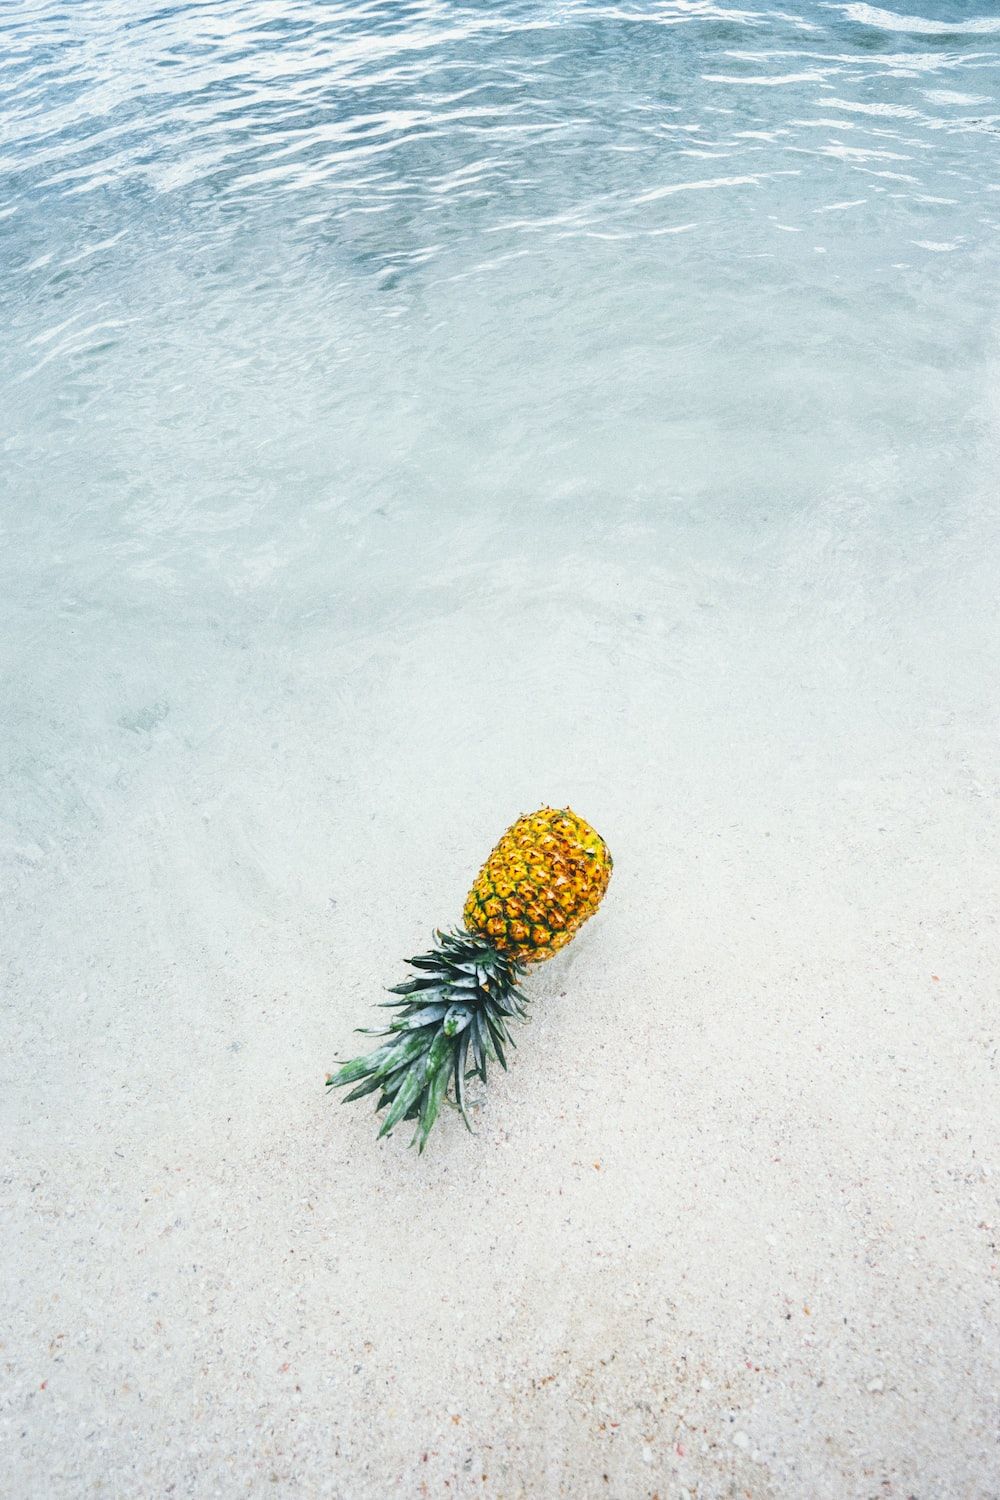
[411, 414]
[510, 402]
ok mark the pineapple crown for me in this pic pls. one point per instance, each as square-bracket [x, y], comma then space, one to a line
[453, 1013]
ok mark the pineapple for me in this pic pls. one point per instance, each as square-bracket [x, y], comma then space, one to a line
[545, 877]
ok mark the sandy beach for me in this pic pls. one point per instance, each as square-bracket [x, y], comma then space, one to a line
[412, 415]
[729, 1224]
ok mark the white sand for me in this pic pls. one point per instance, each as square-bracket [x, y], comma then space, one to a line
[729, 1226]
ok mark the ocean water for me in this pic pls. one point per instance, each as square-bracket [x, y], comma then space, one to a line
[413, 412]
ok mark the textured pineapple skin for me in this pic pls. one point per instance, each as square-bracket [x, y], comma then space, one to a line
[545, 877]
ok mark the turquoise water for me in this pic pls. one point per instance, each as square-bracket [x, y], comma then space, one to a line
[487, 394]
[411, 414]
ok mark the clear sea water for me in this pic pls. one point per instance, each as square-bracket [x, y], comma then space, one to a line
[411, 412]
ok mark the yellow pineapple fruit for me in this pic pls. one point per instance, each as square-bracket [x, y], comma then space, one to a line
[545, 877]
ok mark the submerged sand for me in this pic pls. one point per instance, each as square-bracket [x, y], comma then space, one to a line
[728, 1227]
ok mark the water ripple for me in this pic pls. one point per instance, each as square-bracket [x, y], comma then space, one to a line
[497, 236]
